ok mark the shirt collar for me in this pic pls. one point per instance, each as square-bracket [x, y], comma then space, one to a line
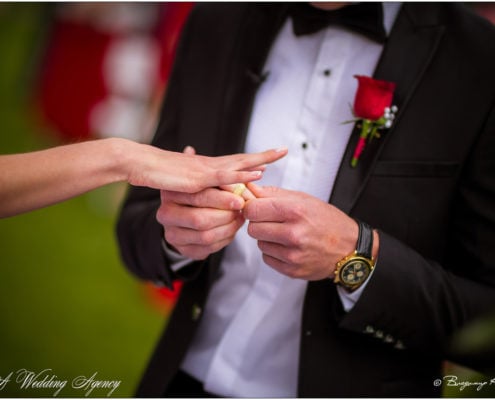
[390, 12]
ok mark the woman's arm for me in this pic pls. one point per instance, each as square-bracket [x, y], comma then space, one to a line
[33, 180]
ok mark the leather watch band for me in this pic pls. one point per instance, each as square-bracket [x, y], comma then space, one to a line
[364, 246]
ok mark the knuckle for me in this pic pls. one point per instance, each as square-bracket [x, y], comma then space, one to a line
[205, 238]
[163, 218]
[252, 229]
[160, 217]
[261, 245]
[294, 237]
[171, 236]
[221, 176]
[292, 273]
[169, 197]
[298, 209]
[197, 221]
[293, 257]
[163, 214]
[251, 209]
[268, 260]
[164, 195]
[200, 199]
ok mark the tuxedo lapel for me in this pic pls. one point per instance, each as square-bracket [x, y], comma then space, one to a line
[407, 53]
[257, 31]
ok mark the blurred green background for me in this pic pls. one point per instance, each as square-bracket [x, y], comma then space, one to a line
[67, 304]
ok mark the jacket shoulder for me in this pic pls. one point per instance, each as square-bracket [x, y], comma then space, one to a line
[462, 24]
[468, 39]
[218, 17]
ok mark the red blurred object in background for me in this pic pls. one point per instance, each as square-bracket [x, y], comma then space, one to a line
[486, 9]
[106, 63]
[106, 66]
[173, 18]
[72, 78]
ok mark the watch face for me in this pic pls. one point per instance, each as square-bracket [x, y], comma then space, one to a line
[355, 271]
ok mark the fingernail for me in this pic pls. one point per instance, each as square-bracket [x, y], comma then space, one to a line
[281, 149]
[256, 173]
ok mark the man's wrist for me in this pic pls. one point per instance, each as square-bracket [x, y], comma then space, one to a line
[352, 271]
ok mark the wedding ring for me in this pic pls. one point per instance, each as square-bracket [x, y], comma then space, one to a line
[239, 189]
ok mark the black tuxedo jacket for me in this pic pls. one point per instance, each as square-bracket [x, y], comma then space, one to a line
[428, 185]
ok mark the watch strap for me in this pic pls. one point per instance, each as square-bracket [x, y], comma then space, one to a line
[364, 245]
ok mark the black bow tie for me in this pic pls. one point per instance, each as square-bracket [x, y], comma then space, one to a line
[364, 18]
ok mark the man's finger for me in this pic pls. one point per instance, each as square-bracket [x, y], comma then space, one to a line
[266, 210]
[266, 191]
[274, 232]
[208, 198]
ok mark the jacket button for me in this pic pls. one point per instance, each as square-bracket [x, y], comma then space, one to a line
[388, 339]
[379, 334]
[399, 345]
[369, 329]
[196, 312]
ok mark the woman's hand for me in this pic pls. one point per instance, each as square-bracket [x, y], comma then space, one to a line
[199, 224]
[190, 173]
[37, 179]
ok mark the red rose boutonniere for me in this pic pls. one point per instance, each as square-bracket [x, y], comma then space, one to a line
[372, 108]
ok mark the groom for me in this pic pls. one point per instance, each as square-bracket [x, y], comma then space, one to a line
[336, 281]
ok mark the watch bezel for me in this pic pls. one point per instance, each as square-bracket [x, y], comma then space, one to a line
[348, 262]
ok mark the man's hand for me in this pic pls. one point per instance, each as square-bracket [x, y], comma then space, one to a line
[300, 236]
[202, 223]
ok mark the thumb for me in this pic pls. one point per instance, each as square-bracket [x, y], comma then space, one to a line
[266, 191]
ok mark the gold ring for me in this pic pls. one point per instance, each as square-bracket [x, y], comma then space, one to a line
[239, 189]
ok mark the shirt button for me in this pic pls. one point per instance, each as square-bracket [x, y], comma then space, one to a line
[327, 72]
[308, 333]
[304, 145]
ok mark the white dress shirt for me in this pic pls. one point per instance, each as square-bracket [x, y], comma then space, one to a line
[247, 344]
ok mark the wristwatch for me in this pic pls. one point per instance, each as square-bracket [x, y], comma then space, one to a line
[352, 271]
